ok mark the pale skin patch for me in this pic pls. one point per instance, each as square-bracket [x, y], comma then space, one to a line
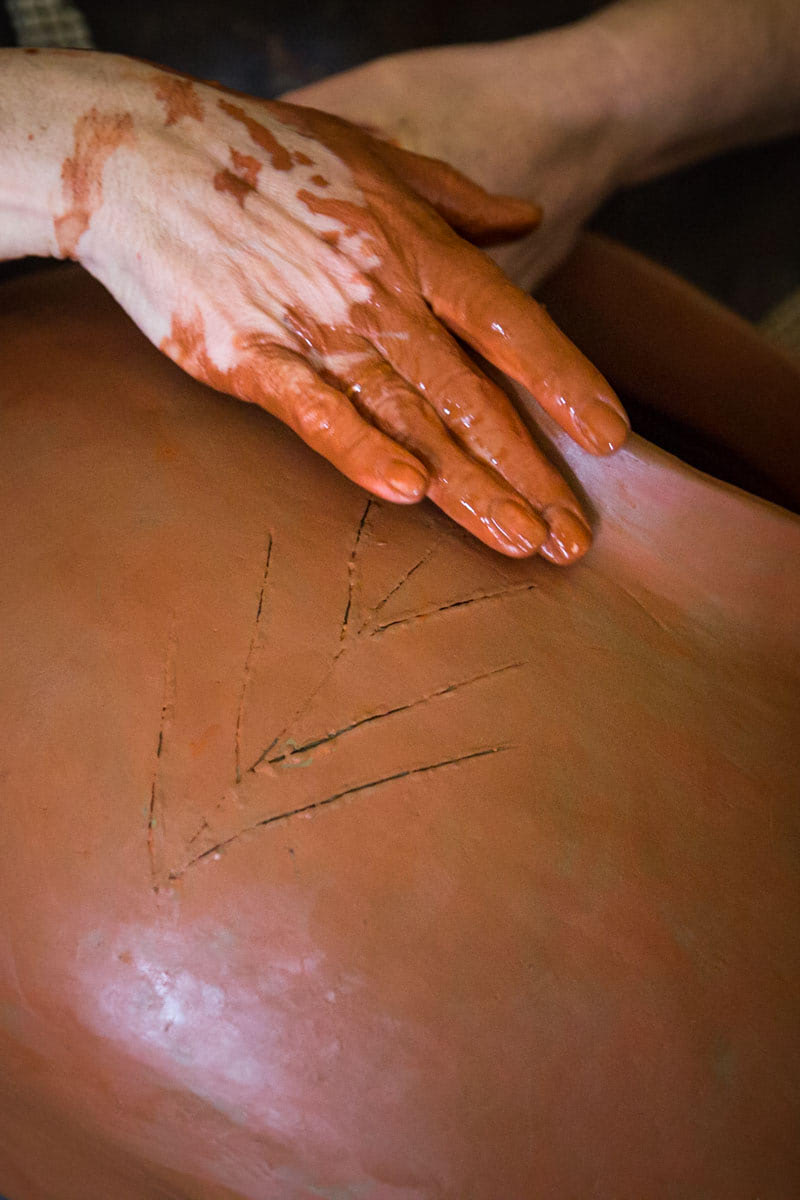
[97, 136]
[359, 236]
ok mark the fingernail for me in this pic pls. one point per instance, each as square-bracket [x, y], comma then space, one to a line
[606, 426]
[406, 480]
[569, 537]
[520, 528]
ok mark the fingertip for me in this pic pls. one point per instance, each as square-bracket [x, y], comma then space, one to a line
[515, 529]
[500, 219]
[406, 480]
[603, 424]
[609, 425]
[485, 218]
[569, 537]
[523, 213]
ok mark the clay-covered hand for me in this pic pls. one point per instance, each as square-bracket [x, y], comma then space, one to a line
[532, 117]
[286, 257]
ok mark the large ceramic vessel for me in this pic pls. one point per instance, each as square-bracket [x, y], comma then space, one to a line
[342, 857]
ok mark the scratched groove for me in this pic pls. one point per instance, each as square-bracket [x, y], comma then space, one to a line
[641, 604]
[326, 739]
[169, 690]
[397, 587]
[248, 660]
[299, 713]
[284, 750]
[281, 737]
[351, 791]
[351, 567]
[443, 608]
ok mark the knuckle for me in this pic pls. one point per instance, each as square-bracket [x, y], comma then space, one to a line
[413, 409]
[392, 400]
[314, 415]
[373, 378]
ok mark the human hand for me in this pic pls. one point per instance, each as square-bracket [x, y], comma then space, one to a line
[533, 117]
[272, 253]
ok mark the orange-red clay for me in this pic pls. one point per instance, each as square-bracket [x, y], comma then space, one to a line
[344, 857]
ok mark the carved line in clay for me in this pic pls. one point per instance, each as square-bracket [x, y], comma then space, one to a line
[351, 566]
[292, 755]
[167, 716]
[443, 608]
[389, 712]
[360, 787]
[393, 591]
[248, 659]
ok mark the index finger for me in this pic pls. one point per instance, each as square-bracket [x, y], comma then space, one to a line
[470, 294]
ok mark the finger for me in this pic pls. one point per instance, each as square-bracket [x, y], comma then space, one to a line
[283, 383]
[351, 361]
[375, 131]
[474, 496]
[480, 216]
[473, 298]
[471, 210]
[479, 416]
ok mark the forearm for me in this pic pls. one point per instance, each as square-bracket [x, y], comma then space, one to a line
[694, 79]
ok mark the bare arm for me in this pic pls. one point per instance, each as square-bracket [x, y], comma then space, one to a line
[699, 78]
[567, 116]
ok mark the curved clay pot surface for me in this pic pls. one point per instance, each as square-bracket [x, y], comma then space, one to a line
[343, 857]
[671, 347]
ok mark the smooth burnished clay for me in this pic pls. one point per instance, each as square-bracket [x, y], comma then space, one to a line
[343, 857]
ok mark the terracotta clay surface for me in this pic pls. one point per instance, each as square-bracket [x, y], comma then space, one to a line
[343, 857]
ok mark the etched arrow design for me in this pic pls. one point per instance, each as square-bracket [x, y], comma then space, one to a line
[406, 680]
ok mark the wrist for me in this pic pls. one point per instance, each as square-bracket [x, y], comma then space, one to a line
[44, 94]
